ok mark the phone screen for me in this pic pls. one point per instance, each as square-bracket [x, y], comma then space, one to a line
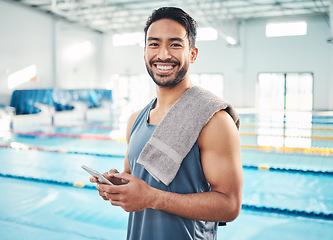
[96, 174]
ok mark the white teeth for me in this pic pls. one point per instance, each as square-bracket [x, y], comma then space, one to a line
[164, 67]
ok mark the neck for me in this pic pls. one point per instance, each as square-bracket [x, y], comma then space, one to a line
[166, 97]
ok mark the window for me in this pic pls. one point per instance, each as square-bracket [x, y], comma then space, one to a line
[27, 74]
[278, 92]
[271, 91]
[286, 29]
[285, 91]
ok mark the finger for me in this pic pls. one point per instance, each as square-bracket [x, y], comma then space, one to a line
[113, 196]
[112, 171]
[104, 196]
[93, 180]
[111, 189]
[101, 193]
[124, 176]
[115, 203]
[109, 196]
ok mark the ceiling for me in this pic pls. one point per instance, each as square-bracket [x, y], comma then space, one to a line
[115, 16]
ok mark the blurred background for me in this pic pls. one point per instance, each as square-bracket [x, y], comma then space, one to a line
[72, 72]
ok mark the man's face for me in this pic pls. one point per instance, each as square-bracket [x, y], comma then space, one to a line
[167, 53]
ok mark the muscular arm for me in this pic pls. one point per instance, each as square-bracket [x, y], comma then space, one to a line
[220, 155]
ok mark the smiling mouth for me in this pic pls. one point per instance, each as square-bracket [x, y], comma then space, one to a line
[165, 68]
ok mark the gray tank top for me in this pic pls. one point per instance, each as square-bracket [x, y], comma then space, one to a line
[152, 224]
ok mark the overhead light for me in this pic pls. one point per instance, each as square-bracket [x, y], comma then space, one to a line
[286, 29]
[27, 74]
[230, 40]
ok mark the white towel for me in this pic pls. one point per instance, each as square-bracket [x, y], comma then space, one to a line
[177, 132]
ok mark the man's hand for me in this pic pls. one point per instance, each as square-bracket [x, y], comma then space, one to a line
[108, 175]
[135, 195]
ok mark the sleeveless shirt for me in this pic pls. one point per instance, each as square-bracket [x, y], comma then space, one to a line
[152, 224]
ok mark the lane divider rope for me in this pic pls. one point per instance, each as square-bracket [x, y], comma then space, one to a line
[277, 169]
[286, 136]
[34, 148]
[312, 150]
[285, 127]
[296, 213]
[86, 136]
[50, 181]
[88, 126]
[260, 167]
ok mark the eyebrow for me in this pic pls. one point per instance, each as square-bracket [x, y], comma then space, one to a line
[170, 39]
[153, 39]
[177, 39]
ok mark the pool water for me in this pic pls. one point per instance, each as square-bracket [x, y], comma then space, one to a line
[286, 195]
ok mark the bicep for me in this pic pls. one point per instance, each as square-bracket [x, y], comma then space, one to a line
[220, 155]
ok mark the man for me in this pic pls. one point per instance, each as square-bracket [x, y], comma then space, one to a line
[208, 186]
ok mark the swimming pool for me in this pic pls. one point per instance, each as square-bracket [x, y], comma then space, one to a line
[286, 195]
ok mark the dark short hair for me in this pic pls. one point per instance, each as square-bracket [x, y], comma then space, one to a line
[177, 15]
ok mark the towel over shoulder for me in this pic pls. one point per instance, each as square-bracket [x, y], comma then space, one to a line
[179, 129]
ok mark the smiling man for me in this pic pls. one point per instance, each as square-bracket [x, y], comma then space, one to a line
[164, 53]
[207, 186]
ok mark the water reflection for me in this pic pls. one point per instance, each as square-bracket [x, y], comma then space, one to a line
[284, 129]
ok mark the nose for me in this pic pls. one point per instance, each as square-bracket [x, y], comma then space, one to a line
[164, 53]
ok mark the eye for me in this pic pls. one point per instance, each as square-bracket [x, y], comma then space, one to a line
[153, 44]
[176, 45]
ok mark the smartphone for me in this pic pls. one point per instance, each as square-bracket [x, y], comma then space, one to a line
[96, 174]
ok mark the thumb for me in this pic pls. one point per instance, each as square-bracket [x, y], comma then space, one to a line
[112, 171]
[125, 177]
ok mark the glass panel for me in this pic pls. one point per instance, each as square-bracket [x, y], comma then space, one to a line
[292, 89]
[271, 91]
[299, 91]
[306, 91]
[277, 127]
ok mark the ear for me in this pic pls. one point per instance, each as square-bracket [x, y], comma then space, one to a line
[193, 54]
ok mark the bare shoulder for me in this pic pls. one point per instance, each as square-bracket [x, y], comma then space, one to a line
[133, 117]
[220, 128]
[131, 122]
